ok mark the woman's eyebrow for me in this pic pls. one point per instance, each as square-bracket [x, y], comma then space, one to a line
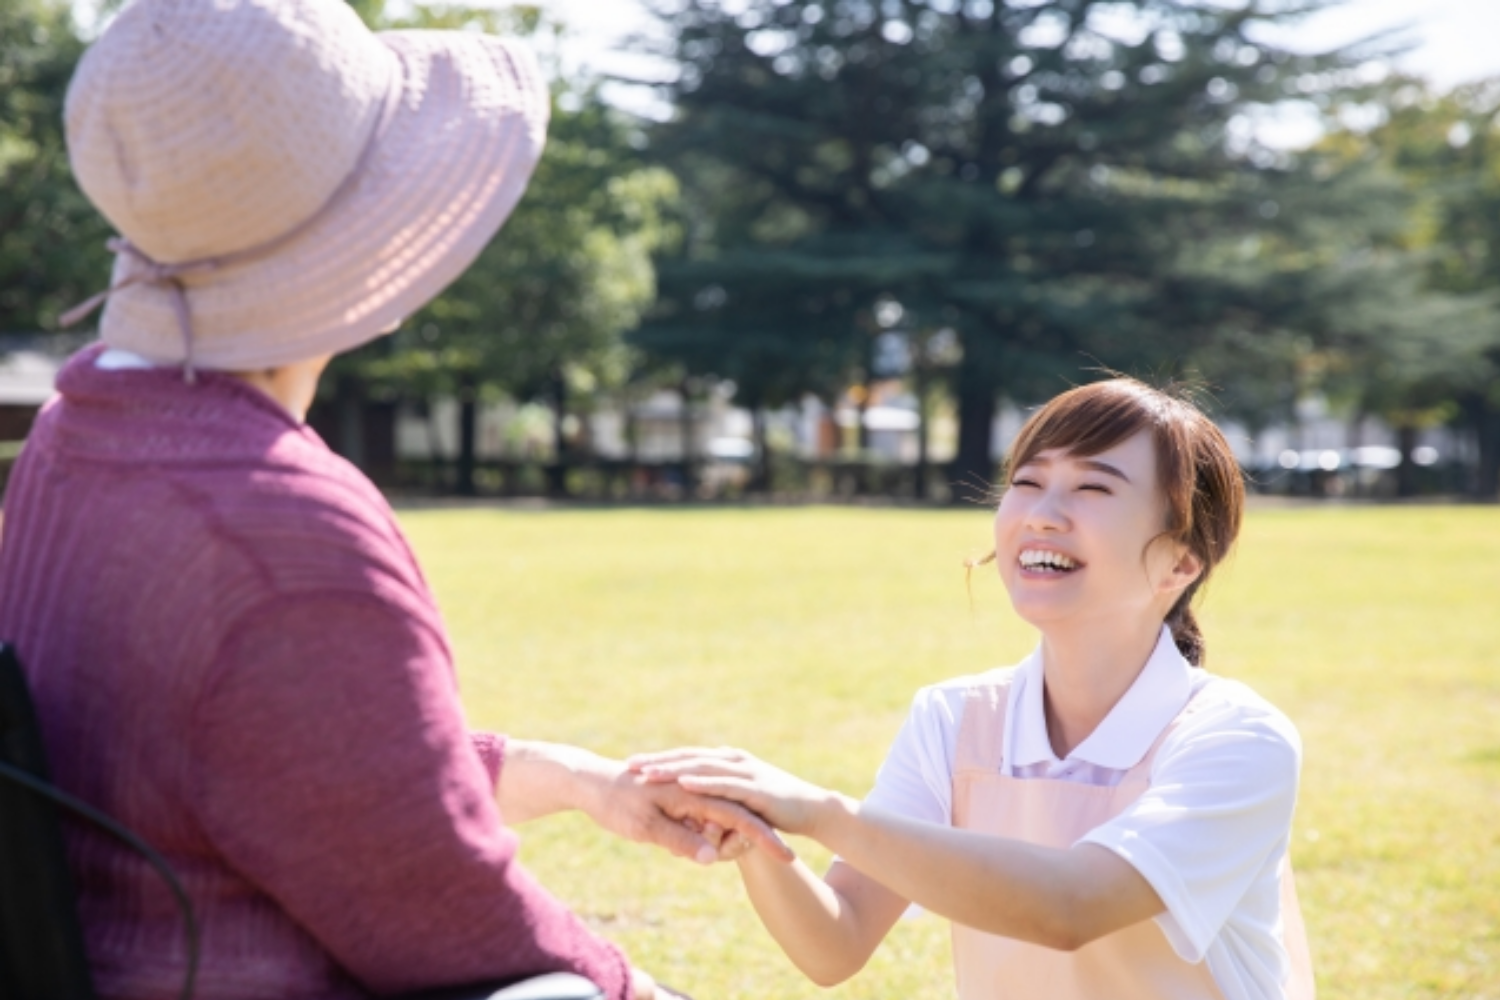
[1087, 463]
[1104, 467]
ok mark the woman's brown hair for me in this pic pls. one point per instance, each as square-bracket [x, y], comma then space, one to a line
[1196, 470]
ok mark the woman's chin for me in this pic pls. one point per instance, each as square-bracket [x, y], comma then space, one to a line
[1039, 612]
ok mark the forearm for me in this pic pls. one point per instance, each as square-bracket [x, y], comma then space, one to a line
[539, 779]
[809, 919]
[1059, 898]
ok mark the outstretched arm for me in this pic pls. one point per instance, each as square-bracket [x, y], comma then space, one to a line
[539, 779]
[828, 927]
[1059, 898]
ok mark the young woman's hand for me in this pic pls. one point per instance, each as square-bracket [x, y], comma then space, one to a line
[543, 778]
[689, 825]
[781, 799]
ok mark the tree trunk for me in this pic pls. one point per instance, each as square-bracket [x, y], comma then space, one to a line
[632, 433]
[924, 392]
[468, 436]
[351, 408]
[861, 427]
[973, 470]
[863, 473]
[685, 425]
[1406, 472]
[1354, 439]
[1485, 419]
[760, 479]
[557, 470]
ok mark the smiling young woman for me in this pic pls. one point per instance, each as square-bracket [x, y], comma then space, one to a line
[1103, 820]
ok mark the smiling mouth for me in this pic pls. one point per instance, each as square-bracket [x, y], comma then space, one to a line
[1047, 561]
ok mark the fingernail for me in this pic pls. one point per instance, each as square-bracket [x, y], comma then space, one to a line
[706, 855]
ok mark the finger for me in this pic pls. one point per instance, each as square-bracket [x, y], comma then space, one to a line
[642, 986]
[637, 762]
[737, 819]
[713, 833]
[735, 788]
[676, 837]
[734, 846]
[713, 767]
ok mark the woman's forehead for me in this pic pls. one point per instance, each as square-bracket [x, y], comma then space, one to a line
[1137, 450]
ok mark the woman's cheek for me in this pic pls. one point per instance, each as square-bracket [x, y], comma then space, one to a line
[1005, 524]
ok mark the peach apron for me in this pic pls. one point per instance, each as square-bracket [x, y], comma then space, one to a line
[1136, 963]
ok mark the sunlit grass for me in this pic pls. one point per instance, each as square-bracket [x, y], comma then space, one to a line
[801, 634]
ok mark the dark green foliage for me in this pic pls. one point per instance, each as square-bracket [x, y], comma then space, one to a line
[51, 239]
[1433, 356]
[549, 295]
[539, 314]
[1059, 182]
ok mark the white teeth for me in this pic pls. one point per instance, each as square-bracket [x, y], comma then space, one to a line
[1037, 558]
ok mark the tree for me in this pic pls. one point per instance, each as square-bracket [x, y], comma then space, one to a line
[1432, 350]
[52, 252]
[768, 351]
[540, 313]
[1037, 176]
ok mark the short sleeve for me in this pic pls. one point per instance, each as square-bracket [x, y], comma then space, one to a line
[1216, 816]
[916, 778]
[335, 774]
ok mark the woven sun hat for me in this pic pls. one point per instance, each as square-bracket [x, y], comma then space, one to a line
[285, 182]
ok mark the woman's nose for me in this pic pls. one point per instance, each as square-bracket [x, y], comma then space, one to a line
[1047, 513]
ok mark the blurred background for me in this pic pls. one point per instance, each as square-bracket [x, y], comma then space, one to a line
[836, 250]
[822, 249]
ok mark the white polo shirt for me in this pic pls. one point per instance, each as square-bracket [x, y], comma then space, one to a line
[1210, 832]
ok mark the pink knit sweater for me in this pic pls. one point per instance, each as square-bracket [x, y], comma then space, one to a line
[233, 652]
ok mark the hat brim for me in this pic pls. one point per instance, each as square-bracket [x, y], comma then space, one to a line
[442, 177]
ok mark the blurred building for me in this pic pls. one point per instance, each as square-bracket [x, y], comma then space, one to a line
[29, 363]
[1319, 453]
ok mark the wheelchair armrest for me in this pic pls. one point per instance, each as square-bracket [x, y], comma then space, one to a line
[552, 986]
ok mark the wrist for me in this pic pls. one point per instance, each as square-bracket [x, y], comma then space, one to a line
[832, 815]
[590, 781]
[543, 778]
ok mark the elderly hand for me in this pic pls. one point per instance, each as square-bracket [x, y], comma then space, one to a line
[783, 800]
[542, 778]
[703, 828]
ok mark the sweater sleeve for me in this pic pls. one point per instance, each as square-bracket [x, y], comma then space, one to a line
[335, 773]
[491, 750]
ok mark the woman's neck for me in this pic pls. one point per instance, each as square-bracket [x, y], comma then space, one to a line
[1088, 669]
[293, 385]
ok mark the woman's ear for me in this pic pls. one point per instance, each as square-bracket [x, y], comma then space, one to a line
[1185, 570]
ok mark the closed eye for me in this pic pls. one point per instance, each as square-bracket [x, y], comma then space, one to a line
[1100, 487]
[1022, 482]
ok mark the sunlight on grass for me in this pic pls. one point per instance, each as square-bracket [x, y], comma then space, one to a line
[801, 634]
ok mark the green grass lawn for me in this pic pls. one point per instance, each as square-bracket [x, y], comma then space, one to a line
[801, 634]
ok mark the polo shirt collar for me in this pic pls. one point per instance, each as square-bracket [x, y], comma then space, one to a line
[1121, 741]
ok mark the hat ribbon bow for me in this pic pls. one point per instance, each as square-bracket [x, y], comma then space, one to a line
[151, 272]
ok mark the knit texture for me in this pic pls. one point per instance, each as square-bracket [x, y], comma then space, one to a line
[233, 652]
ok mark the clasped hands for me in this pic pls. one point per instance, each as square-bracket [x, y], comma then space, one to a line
[705, 805]
[763, 798]
[699, 804]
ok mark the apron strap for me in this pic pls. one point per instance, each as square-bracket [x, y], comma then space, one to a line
[981, 729]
